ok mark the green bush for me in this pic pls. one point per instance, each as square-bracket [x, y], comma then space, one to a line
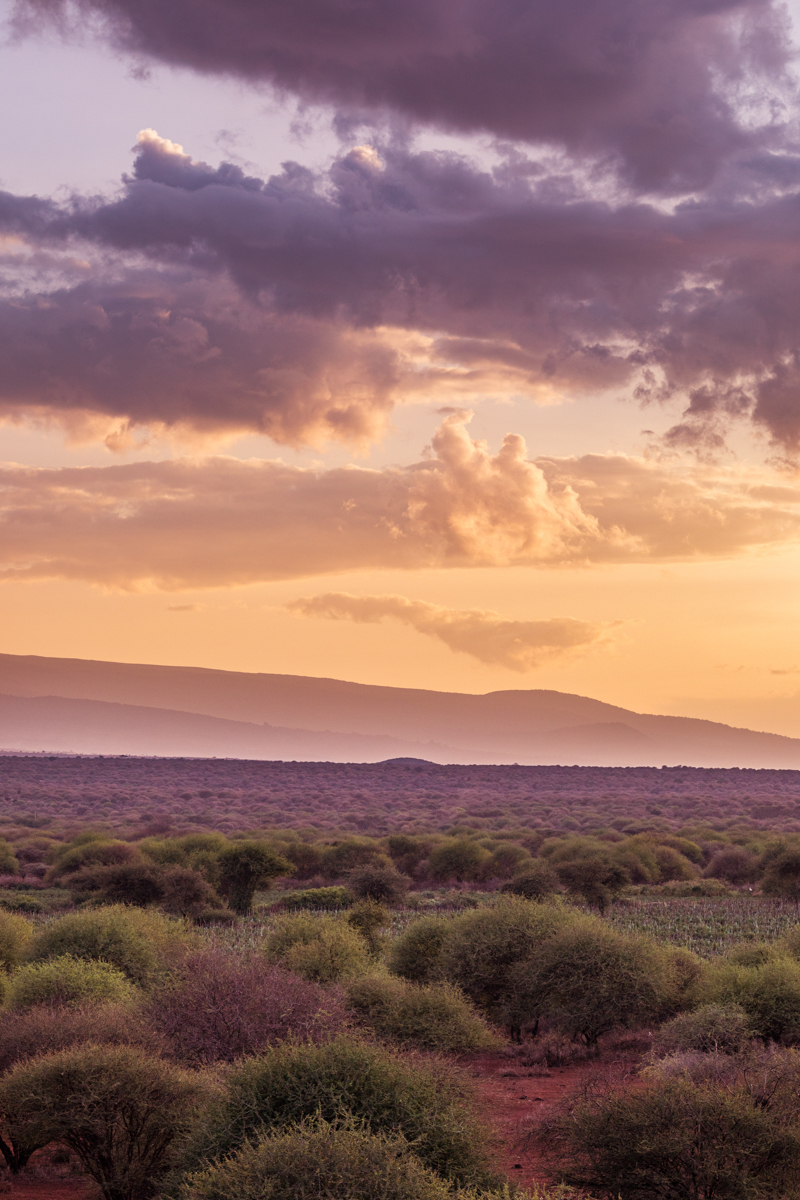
[28, 1033]
[15, 937]
[596, 881]
[675, 1140]
[712, 1028]
[588, 979]
[324, 899]
[782, 875]
[415, 953]
[769, 994]
[9, 863]
[119, 1110]
[68, 981]
[484, 946]
[89, 851]
[374, 881]
[423, 1016]
[137, 883]
[343, 857]
[140, 944]
[389, 1093]
[244, 866]
[319, 1159]
[457, 858]
[368, 918]
[536, 882]
[321, 949]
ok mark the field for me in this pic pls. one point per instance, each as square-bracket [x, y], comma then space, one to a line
[234, 795]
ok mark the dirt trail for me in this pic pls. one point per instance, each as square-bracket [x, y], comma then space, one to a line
[49, 1189]
[511, 1096]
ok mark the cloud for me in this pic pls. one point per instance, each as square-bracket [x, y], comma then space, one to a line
[221, 522]
[202, 300]
[485, 635]
[660, 89]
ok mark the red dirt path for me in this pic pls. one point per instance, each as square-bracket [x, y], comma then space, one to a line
[49, 1189]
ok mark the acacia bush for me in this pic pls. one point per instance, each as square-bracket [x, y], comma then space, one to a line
[769, 993]
[139, 943]
[69, 982]
[15, 937]
[717, 1028]
[587, 979]
[244, 866]
[42, 1029]
[374, 881]
[89, 850]
[484, 946]
[675, 1139]
[221, 1006]
[535, 882]
[425, 1016]
[416, 952]
[138, 883]
[121, 1111]
[321, 949]
[318, 1158]
[323, 899]
[389, 1093]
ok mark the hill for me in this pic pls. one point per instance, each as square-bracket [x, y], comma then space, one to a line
[96, 707]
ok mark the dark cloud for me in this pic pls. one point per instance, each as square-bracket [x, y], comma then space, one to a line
[656, 86]
[219, 300]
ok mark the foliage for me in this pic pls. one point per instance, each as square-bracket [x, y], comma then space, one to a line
[536, 882]
[119, 1110]
[458, 858]
[321, 949]
[222, 1006]
[244, 866]
[9, 863]
[769, 994]
[324, 899]
[676, 1140]
[344, 1159]
[723, 1029]
[587, 979]
[368, 918]
[425, 1016]
[782, 876]
[43, 1029]
[390, 1094]
[15, 937]
[68, 981]
[137, 883]
[94, 851]
[373, 881]
[141, 944]
[415, 954]
[348, 855]
[483, 948]
[596, 881]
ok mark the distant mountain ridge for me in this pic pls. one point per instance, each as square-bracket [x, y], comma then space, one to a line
[95, 707]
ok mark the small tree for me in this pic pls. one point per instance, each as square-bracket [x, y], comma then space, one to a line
[377, 882]
[782, 876]
[594, 880]
[415, 953]
[457, 858]
[137, 883]
[243, 867]
[120, 1111]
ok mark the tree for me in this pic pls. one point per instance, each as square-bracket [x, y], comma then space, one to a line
[597, 881]
[782, 876]
[243, 867]
[118, 1109]
[457, 858]
[137, 883]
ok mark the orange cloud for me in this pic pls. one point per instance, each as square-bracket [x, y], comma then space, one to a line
[223, 522]
[485, 635]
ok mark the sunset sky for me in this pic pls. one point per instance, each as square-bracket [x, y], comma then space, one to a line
[448, 344]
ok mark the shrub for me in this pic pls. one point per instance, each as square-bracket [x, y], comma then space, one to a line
[306, 859]
[321, 949]
[326, 899]
[484, 946]
[89, 852]
[137, 883]
[15, 937]
[718, 1028]
[536, 882]
[782, 876]
[594, 880]
[734, 864]
[243, 867]
[390, 1094]
[415, 954]
[376, 882]
[368, 917]
[141, 944]
[674, 1138]
[457, 858]
[354, 1164]
[588, 979]
[769, 994]
[407, 852]
[119, 1110]
[428, 1017]
[9, 863]
[350, 854]
[43, 1029]
[221, 1007]
[185, 893]
[68, 981]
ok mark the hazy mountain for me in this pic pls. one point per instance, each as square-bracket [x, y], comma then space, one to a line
[124, 708]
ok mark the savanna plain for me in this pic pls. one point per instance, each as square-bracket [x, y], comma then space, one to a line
[275, 980]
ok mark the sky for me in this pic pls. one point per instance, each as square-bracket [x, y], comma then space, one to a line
[451, 344]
